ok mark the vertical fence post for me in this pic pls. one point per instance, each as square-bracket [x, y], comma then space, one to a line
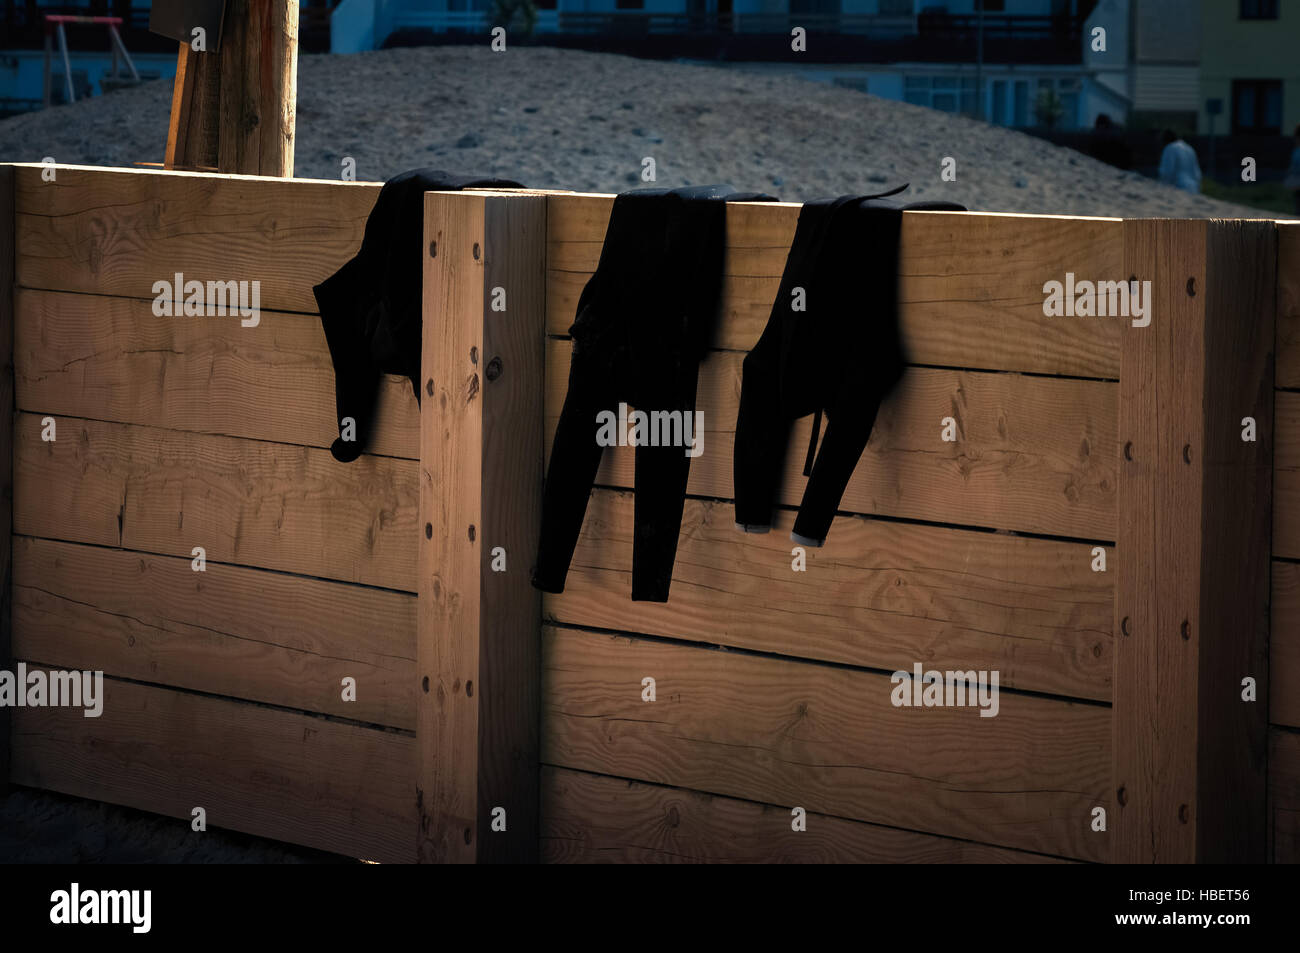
[1195, 510]
[481, 476]
[7, 250]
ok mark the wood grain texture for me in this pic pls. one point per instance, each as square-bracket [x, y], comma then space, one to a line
[246, 502]
[480, 493]
[182, 96]
[1284, 795]
[878, 594]
[279, 86]
[292, 777]
[1158, 389]
[117, 231]
[112, 358]
[1134, 751]
[449, 620]
[1237, 479]
[592, 819]
[193, 126]
[1286, 475]
[259, 57]
[827, 739]
[1193, 518]
[201, 142]
[6, 444]
[1284, 646]
[249, 634]
[514, 357]
[239, 140]
[1288, 304]
[971, 285]
[1032, 454]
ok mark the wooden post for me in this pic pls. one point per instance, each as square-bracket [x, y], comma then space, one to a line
[481, 478]
[7, 179]
[192, 132]
[1195, 510]
[233, 110]
[259, 87]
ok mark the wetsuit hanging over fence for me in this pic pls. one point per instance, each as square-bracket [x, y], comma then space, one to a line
[645, 321]
[841, 354]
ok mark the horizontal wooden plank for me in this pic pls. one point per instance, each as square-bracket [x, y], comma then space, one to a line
[970, 292]
[829, 740]
[268, 505]
[1284, 646]
[1284, 794]
[878, 594]
[591, 819]
[261, 636]
[117, 231]
[292, 777]
[1286, 475]
[83, 355]
[1033, 454]
[1288, 304]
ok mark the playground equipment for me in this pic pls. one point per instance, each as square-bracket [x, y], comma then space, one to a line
[54, 27]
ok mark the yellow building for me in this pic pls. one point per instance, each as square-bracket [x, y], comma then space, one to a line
[1250, 64]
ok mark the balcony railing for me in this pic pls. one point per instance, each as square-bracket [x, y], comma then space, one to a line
[638, 22]
[943, 27]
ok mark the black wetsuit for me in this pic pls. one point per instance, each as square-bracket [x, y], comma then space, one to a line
[842, 354]
[645, 320]
[371, 307]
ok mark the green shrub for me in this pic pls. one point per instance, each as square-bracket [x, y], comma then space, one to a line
[1048, 108]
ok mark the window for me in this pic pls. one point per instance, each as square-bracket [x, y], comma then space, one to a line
[949, 93]
[1257, 106]
[1069, 92]
[916, 90]
[1022, 103]
[999, 116]
[1259, 9]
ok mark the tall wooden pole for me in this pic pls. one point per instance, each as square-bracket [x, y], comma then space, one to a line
[233, 109]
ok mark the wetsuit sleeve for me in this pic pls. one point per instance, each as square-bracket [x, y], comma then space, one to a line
[762, 432]
[847, 432]
[340, 300]
[860, 254]
[575, 458]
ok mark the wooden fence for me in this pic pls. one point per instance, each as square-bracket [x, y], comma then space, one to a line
[491, 723]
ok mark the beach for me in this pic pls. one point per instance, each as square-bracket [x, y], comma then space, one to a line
[567, 119]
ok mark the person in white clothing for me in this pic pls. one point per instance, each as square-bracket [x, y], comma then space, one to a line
[1178, 165]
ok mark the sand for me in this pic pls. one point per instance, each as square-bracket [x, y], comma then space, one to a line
[569, 119]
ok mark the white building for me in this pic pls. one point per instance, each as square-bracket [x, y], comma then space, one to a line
[1032, 46]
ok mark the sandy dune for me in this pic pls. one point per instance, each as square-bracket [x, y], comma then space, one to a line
[567, 119]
